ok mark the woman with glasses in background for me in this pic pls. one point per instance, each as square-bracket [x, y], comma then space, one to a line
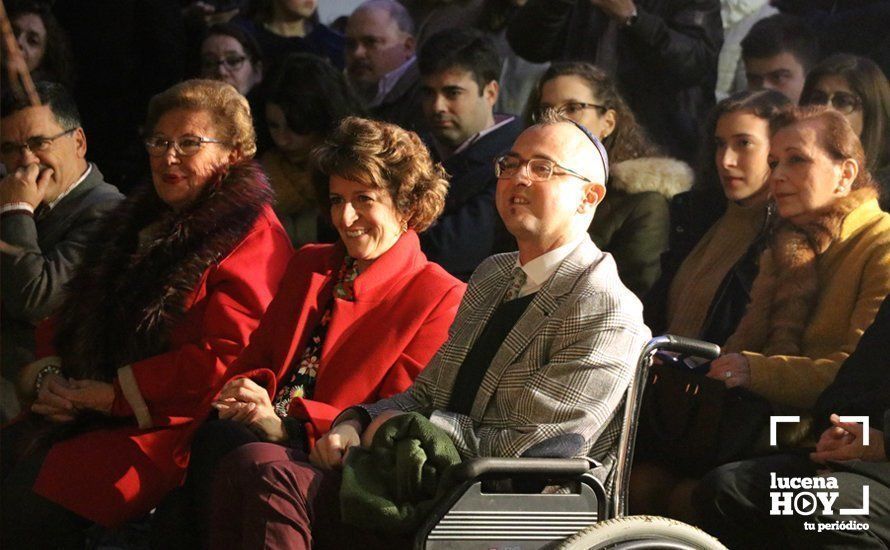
[858, 89]
[230, 54]
[148, 333]
[633, 221]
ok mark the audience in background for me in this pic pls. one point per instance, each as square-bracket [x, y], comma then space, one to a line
[639, 75]
[380, 62]
[778, 52]
[306, 99]
[663, 55]
[51, 204]
[856, 87]
[459, 71]
[633, 221]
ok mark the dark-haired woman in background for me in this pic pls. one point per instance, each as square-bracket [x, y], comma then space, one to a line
[230, 54]
[858, 89]
[719, 228]
[633, 221]
[43, 43]
[306, 98]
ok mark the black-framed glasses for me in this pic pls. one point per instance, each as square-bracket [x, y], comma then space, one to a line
[843, 102]
[35, 144]
[537, 169]
[185, 146]
[232, 63]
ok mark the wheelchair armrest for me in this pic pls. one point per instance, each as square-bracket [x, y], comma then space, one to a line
[500, 467]
[682, 344]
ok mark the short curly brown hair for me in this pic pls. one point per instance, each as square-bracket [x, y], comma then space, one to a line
[383, 156]
[229, 110]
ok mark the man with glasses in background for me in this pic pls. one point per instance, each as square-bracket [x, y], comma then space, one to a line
[50, 204]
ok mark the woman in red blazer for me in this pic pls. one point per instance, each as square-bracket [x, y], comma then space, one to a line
[150, 328]
[353, 322]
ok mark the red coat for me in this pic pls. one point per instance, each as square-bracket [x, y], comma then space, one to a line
[375, 346]
[111, 475]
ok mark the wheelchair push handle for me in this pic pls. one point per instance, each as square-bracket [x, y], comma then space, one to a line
[684, 346]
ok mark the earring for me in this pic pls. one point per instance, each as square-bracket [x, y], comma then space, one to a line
[404, 227]
[841, 188]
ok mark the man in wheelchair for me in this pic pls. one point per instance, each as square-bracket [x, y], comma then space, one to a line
[537, 362]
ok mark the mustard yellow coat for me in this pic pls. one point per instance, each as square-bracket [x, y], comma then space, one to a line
[853, 280]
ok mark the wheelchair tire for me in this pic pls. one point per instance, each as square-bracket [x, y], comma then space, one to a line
[641, 532]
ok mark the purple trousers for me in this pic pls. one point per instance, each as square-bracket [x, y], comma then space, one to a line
[269, 496]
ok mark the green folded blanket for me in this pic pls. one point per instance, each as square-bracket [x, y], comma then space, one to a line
[392, 486]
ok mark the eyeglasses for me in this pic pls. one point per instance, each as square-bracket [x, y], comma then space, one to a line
[508, 166]
[574, 108]
[842, 102]
[34, 144]
[185, 146]
[231, 63]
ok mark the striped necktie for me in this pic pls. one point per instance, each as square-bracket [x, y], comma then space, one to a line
[519, 278]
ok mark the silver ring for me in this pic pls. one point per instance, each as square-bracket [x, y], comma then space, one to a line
[728, 374]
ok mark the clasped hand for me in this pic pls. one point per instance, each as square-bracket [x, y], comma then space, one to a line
[61, 400]
[243, 400]
[844, 441]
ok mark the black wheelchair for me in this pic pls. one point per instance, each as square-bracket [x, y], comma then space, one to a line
[474, 516]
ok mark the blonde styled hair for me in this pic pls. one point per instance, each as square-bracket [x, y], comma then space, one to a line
[383, 156]
[228, 108]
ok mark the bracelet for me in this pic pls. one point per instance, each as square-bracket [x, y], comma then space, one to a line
[44, 372]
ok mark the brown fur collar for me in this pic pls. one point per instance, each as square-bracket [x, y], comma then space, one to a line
[123, 303]
[786, 288]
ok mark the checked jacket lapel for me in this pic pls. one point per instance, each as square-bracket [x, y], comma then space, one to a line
[545, 302]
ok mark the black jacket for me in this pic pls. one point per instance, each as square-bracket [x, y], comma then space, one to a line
[666, 62]
[862, 388]
[470, 228]
[692, 214]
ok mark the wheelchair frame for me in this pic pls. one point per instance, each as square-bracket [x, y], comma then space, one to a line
[472, 517]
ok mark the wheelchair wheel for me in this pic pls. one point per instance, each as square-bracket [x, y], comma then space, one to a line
[642, 532]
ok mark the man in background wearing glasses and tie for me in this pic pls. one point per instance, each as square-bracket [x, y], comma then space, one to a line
[50, 203]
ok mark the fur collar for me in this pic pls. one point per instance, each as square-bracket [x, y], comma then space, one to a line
[133, 288]
[661, 174]
[785, 291]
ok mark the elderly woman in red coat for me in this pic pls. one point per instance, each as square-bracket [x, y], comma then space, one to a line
[150, 329]
[353, 322]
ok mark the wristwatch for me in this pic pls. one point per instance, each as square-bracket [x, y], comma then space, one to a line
[631, 19]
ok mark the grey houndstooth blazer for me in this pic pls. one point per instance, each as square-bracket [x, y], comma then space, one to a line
[561, 371]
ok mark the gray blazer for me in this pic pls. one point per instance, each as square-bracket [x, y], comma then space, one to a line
[560, 374]
[49, 250]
